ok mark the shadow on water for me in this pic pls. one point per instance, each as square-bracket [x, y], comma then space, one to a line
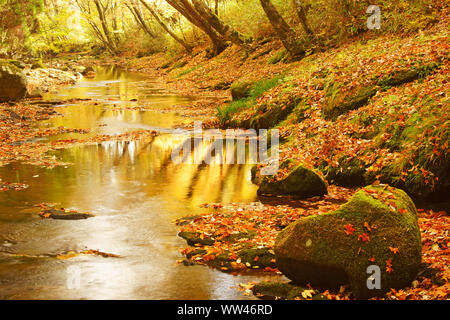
[135, 192]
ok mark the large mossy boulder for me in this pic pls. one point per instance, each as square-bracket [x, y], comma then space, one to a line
[241, 90]
[378, 226]
[301, 183]
[13, 83]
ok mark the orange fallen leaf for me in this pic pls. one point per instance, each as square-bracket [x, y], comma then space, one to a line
[364, 237]
[349, 229]
[394, 250]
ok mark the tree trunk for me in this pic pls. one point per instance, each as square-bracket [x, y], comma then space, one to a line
[286, 34]
[166, 28]
[301, 13]
[139, 18]
[224, 30]
[186, 9]
[106, 31]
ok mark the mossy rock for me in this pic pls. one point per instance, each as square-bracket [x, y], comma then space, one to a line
[77, 68]
[284, 291]
[195, 238]
[378, 226]
[253, 258]
[349, 173]
[13, 83]
[58, 214]
[302, 183]
[300, 112]
[278, 57]
[179, 64]
[165, 65]
[19, 64]
[258, 257]
[340, 103]
[270, 118]
[196, 253]
[400, 77]
[88, 70]
[222, 85]
[241, 89]
[38, 65]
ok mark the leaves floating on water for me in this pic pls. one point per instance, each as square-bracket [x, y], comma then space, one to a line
[6, 186]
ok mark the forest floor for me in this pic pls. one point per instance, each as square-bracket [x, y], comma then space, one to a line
[209, 80]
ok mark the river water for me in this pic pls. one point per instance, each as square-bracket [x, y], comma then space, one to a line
[135, 192]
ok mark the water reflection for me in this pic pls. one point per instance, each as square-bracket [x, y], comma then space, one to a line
[136, 192]
[113, 107]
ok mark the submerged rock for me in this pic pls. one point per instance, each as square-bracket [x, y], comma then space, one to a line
[61, 214]
[87, 71]
[13, 83]
[377, 227]
[301, 182]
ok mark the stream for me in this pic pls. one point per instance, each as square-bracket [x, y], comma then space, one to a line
[135, 192]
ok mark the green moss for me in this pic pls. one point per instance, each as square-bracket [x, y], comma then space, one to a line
[38, 65]
[194, 238]
[278, 57]
[241, 89]
[300, 112]
[17, 63]
[408, 75]
[339, 103]
[350, 173]
[262, 257]
[245, 94]
[237, 236]
[178, 64]
[185, 72]
[301, 182]
[226, 112]
[270, 118]
[283, 290]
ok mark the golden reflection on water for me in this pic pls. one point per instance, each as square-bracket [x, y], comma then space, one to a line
[150, 160]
